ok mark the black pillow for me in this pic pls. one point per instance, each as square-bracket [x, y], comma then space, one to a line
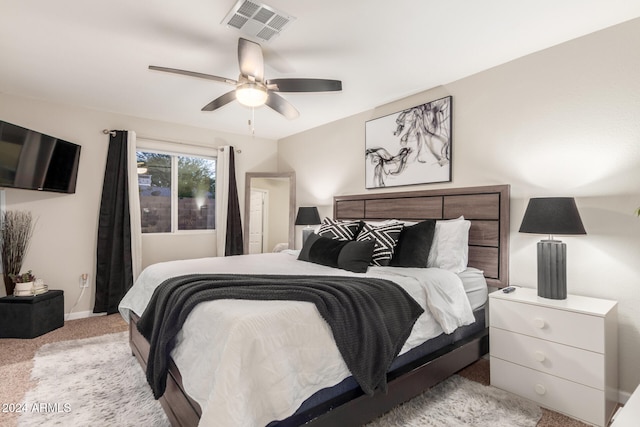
[356, 256]
[325, 251]
[414, 245]
[306, 247]
[350, 256]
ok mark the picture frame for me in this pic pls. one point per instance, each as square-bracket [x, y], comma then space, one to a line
[410, 147]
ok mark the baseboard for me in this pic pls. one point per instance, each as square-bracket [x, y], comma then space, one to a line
[623, 396]
[82, 315]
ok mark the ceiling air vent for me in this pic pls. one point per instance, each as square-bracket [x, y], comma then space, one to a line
[257, 19]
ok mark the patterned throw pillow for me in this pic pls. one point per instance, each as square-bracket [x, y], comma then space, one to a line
[339, 230]
[385, 237]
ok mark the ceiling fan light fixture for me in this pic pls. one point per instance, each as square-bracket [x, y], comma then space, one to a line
[252, 89]
[251, 94]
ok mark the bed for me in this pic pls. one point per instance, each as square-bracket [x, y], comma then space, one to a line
[341, 401]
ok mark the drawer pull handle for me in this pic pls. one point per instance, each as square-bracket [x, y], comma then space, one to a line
[540, 389]
[539, 323]
[540, 357]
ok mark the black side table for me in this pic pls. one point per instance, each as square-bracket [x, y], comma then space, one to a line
[29, 317]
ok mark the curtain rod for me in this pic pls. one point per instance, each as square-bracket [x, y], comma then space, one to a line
[113, 132]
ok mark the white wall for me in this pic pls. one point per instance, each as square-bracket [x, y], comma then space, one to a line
[64, 241]
[561, 122]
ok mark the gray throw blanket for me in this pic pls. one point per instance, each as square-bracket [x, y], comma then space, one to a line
[370, 318]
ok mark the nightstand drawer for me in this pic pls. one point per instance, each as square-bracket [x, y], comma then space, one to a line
[549, 357]
[562, 326]
[564, 396]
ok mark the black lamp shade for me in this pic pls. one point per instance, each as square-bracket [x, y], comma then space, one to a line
[552, 215]
[307, 216]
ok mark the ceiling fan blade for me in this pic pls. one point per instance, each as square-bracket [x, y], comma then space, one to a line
[250, 59]
[220, 101]
[193, 74]
[305, 85]
[282, 106]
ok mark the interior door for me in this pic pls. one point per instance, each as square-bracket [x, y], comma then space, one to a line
[256, 222]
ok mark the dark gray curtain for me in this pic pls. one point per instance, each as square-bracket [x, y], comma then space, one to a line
[114, 274]
[233, 243]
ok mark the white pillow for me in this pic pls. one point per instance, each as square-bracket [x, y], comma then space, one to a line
[450, 247]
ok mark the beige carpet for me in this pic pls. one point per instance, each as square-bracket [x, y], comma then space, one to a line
[16, 362]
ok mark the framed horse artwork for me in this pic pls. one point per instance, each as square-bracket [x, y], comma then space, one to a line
[409, 147]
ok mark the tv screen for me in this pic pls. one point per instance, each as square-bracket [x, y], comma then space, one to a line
[35, 161]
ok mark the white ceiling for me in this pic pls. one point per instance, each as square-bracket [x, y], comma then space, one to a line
[95, 54]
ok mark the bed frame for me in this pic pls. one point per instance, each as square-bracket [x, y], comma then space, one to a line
[488, 209]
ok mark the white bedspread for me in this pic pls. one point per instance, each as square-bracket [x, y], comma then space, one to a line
[248, 363]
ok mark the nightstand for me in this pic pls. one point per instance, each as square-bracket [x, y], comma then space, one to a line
[562, 354]
[29, 317]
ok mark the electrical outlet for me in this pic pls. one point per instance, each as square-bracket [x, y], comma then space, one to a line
[84, 280]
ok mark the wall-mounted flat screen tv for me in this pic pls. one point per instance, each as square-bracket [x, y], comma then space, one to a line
[35, 161]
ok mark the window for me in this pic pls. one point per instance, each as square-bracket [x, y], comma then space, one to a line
[177, 192]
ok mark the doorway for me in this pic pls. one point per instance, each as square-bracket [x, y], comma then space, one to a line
[258, 213]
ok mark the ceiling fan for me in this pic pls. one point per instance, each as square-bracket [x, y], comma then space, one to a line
[252, 89]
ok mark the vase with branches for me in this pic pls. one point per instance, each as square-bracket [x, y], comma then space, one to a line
[16, 229]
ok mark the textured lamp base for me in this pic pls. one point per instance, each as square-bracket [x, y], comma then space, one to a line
[552, 269]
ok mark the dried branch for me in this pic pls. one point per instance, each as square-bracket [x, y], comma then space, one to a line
[16, 231]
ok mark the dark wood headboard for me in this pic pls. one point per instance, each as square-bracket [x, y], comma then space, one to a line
[486, 207]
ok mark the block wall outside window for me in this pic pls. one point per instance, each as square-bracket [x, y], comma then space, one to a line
[177, 193]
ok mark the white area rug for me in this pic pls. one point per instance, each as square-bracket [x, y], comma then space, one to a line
[90, 382]
[97, 382]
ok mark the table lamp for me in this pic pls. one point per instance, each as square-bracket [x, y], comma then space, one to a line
[552, 215]
[307, 215]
